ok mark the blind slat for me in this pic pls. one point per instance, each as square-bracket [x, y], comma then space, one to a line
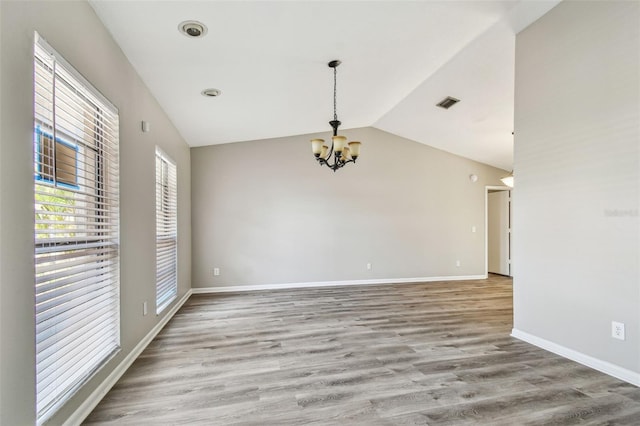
[48, 329]
[60, 344]
[49, 356]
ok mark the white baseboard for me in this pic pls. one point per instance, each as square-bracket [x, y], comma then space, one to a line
[241, 288]
[595, 363]
[96, 396]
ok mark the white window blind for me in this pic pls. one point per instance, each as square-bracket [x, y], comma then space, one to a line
[166, 231]
[76, 229]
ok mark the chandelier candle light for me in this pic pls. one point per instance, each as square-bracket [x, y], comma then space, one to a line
[341, 153]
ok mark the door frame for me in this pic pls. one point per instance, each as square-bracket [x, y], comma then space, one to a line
[488, 188]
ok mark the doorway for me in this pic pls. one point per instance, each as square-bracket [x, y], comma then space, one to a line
[498, 230]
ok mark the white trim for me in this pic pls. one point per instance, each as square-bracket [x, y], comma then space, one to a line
[241, 288]
[595, 363]
[96, 396]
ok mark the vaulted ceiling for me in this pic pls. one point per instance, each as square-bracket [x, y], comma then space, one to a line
[269, 59]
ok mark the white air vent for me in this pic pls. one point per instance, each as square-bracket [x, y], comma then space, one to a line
[447, 102]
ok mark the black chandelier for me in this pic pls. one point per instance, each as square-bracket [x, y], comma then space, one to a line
[341, 153]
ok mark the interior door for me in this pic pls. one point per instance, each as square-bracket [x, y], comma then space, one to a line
[498, 232]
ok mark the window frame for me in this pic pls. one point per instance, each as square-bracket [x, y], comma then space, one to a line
[41, 175]
[77, 264]
[170, 189]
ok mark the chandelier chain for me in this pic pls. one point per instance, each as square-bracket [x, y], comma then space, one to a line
[335, 83]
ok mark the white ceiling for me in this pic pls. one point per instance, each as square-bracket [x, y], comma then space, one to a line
[269, 58]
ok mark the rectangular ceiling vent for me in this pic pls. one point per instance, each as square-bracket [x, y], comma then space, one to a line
[447, 102]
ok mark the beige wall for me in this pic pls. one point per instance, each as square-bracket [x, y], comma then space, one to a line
[74, 31]
[577, 158]
[265, 212]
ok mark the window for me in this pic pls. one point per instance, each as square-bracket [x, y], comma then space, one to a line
[76, 232]
[63, 157]
[166, 231]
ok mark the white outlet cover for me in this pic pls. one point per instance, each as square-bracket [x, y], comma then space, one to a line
[617, 330]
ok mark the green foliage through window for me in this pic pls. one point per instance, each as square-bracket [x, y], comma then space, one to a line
[55, 210]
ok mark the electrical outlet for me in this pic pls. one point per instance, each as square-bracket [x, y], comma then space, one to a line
[368, 266]
[216, 271]
[457, 263]
[617, 330]
[473, 229]
[144, 308]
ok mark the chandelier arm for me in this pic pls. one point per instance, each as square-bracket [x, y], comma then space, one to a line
[330, 151]
[336, 164]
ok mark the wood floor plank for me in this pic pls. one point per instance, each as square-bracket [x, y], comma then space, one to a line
[408, 354]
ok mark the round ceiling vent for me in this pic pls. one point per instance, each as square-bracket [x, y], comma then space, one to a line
[212, 93]
[193, 29]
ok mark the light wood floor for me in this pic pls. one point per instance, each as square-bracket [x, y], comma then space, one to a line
[414, 354]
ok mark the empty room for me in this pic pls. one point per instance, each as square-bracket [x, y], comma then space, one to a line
[319, 212]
